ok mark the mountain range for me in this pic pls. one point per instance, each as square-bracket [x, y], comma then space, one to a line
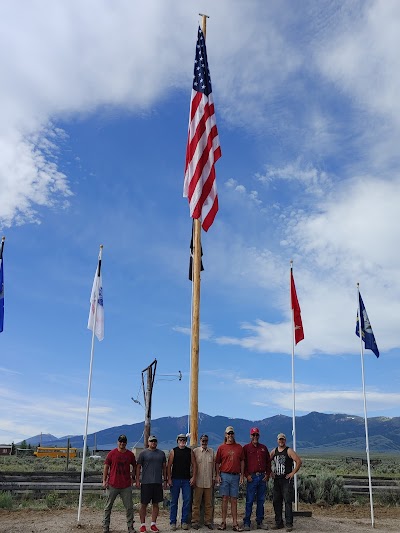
[315, 432]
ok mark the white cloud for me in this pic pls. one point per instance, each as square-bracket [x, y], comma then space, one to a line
[315, 182]
[64, 65]
[23, 416]
[251, 197]
[308, 397]
[206, 332]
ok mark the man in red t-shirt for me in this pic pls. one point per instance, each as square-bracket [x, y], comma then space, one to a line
[118, 478]
[229, 468]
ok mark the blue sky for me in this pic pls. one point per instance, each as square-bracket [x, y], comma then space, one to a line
[94, 102]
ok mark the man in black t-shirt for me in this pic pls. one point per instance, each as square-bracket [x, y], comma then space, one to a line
[282, 460]
[181, 476]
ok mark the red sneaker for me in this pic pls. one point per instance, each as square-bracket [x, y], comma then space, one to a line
[154, 528]
[142, 529]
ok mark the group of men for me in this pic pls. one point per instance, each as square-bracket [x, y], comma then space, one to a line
[201, 469]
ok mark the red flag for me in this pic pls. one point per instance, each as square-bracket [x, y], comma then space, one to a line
[298, 324]
[203, 150]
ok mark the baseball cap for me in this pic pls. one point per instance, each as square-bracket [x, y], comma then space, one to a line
[181, 436]
[122, 438]
[204, 436]
[281, 436]
[152, 437]
[229, 428]
[254, 430]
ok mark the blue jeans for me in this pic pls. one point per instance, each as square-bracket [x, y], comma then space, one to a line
[177, 486]
[256, 488]
[283, 492]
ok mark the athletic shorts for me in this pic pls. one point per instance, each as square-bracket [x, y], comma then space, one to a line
[229, 485]
[151, 492]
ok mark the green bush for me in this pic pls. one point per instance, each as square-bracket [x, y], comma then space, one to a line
[6, 501]
[52, 500]
[326, 489]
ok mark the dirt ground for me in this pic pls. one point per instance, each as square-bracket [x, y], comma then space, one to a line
[337, 519]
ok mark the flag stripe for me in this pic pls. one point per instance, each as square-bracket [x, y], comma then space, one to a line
[203, 149]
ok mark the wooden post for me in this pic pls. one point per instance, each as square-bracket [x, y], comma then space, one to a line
[147, 399]
[68, 447]
[194, 366]
[195, 351]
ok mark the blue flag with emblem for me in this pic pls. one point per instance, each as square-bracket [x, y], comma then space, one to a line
[367, 334]
[1, 286]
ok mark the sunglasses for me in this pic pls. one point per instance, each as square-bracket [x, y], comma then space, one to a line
[153, 440]
[230, 433]
[255, 434]
[123, 441]
[183, 439]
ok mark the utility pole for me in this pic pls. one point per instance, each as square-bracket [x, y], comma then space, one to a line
[147, 393]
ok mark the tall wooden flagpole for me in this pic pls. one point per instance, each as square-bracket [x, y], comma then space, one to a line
[195, 342]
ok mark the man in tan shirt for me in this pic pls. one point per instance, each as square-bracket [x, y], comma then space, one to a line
[205, 459]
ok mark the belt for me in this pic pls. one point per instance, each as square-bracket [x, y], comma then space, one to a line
[257, 474]
[231, 473]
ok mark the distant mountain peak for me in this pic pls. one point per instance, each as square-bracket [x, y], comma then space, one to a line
[314, 431]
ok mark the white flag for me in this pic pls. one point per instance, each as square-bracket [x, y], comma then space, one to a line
[97, 296]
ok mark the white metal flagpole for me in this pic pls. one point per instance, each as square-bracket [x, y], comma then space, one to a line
[293, 391]
[360, 329]
[96, 298]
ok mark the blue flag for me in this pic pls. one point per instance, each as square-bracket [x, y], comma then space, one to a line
[1, 287]
[366, 329]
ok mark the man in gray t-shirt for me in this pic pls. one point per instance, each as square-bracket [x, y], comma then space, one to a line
[151, 463]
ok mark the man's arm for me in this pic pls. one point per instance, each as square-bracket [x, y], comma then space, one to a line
[293, 455]
[194, 469]
[106, 470]
[267, 465]
[217, 466]
[164, 473]
[241, 471]
[246, 468]
[271, 456]
[241, 465]
[138, 467]
[133, 471]
[169, 466]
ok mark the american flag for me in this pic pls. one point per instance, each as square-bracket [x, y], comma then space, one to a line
[203, 150]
